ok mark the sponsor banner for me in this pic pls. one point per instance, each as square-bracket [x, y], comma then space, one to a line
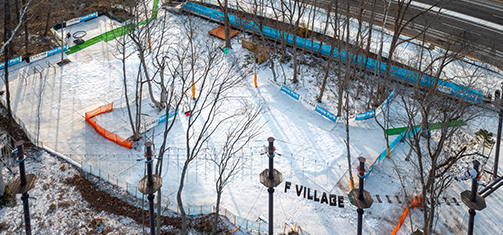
[384, 104]
[276, 84]
[325, 113]
[38, 56]
[88, 17]
[73, 21]
[307, 102]
[155, 121]
[56, 50]
[162, 118]
[366, 115]
[290, 92]
[12, 62]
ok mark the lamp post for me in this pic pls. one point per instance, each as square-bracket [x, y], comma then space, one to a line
[149, 185]
[472, 199]
[22, 185]
[271, 178]
[359, 197]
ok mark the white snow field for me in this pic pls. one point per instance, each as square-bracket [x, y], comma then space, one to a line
[52, 104]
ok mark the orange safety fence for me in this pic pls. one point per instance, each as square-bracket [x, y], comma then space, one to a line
[104, 132]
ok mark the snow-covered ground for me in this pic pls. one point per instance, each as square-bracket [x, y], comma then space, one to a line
[313, 153]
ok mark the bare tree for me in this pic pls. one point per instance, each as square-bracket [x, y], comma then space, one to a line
[201, 62]
[141, 37]
[245, 127]
[425, 104]
[403, 18]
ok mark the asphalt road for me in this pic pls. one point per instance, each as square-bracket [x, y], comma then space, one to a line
[483, 39]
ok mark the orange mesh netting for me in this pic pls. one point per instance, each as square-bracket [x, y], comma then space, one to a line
[104, 132]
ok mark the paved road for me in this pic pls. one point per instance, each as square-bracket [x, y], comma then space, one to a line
[480, 22]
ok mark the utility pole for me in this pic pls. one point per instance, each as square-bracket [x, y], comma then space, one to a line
[271, 178]
[149, 185]
[361, 198]
[22, 185]
[499, 104]
[472, 199]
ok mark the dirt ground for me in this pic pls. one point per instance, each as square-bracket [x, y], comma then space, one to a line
[43, 15]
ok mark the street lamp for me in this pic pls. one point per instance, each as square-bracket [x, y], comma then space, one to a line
[149, 185]
[472, 199]
[271, 178]
[359, 197]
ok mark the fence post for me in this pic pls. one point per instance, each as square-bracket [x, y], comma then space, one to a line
[225, 212]
[99, 172]
[259, 226]
[127, 187]
[188, 209]
[234, 219]
[201, 210]
[117, 181]
[246, 224]
[108, 177]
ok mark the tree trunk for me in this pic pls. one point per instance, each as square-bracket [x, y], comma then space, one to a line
[2, 185]
[135, 133]
[179, 199]
[158, 217]
[227, 26]
[26, 36]
[217, 209]
[149, 82]
[47, 20]
[295, 80]
[16, 4]
[7, 34]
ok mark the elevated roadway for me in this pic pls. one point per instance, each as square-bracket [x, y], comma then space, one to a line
[479, 23]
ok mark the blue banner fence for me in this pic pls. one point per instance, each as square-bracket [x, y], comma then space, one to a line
[398, 73]
[324, 112]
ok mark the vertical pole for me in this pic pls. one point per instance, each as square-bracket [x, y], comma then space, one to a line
[150, 184]
[361, 170]
[360, 220]
[498, 142]
[471, 221]
[271, 189]
[255, 80]
[25, 196]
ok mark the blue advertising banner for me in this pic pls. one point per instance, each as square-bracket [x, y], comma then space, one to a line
[289, 92]
[12, 62]
[163, 117]
[366, 115]
[56, 50]
[88, 17]
[325, 113]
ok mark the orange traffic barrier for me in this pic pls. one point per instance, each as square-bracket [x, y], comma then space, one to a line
[417, 201]
[104, 132]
